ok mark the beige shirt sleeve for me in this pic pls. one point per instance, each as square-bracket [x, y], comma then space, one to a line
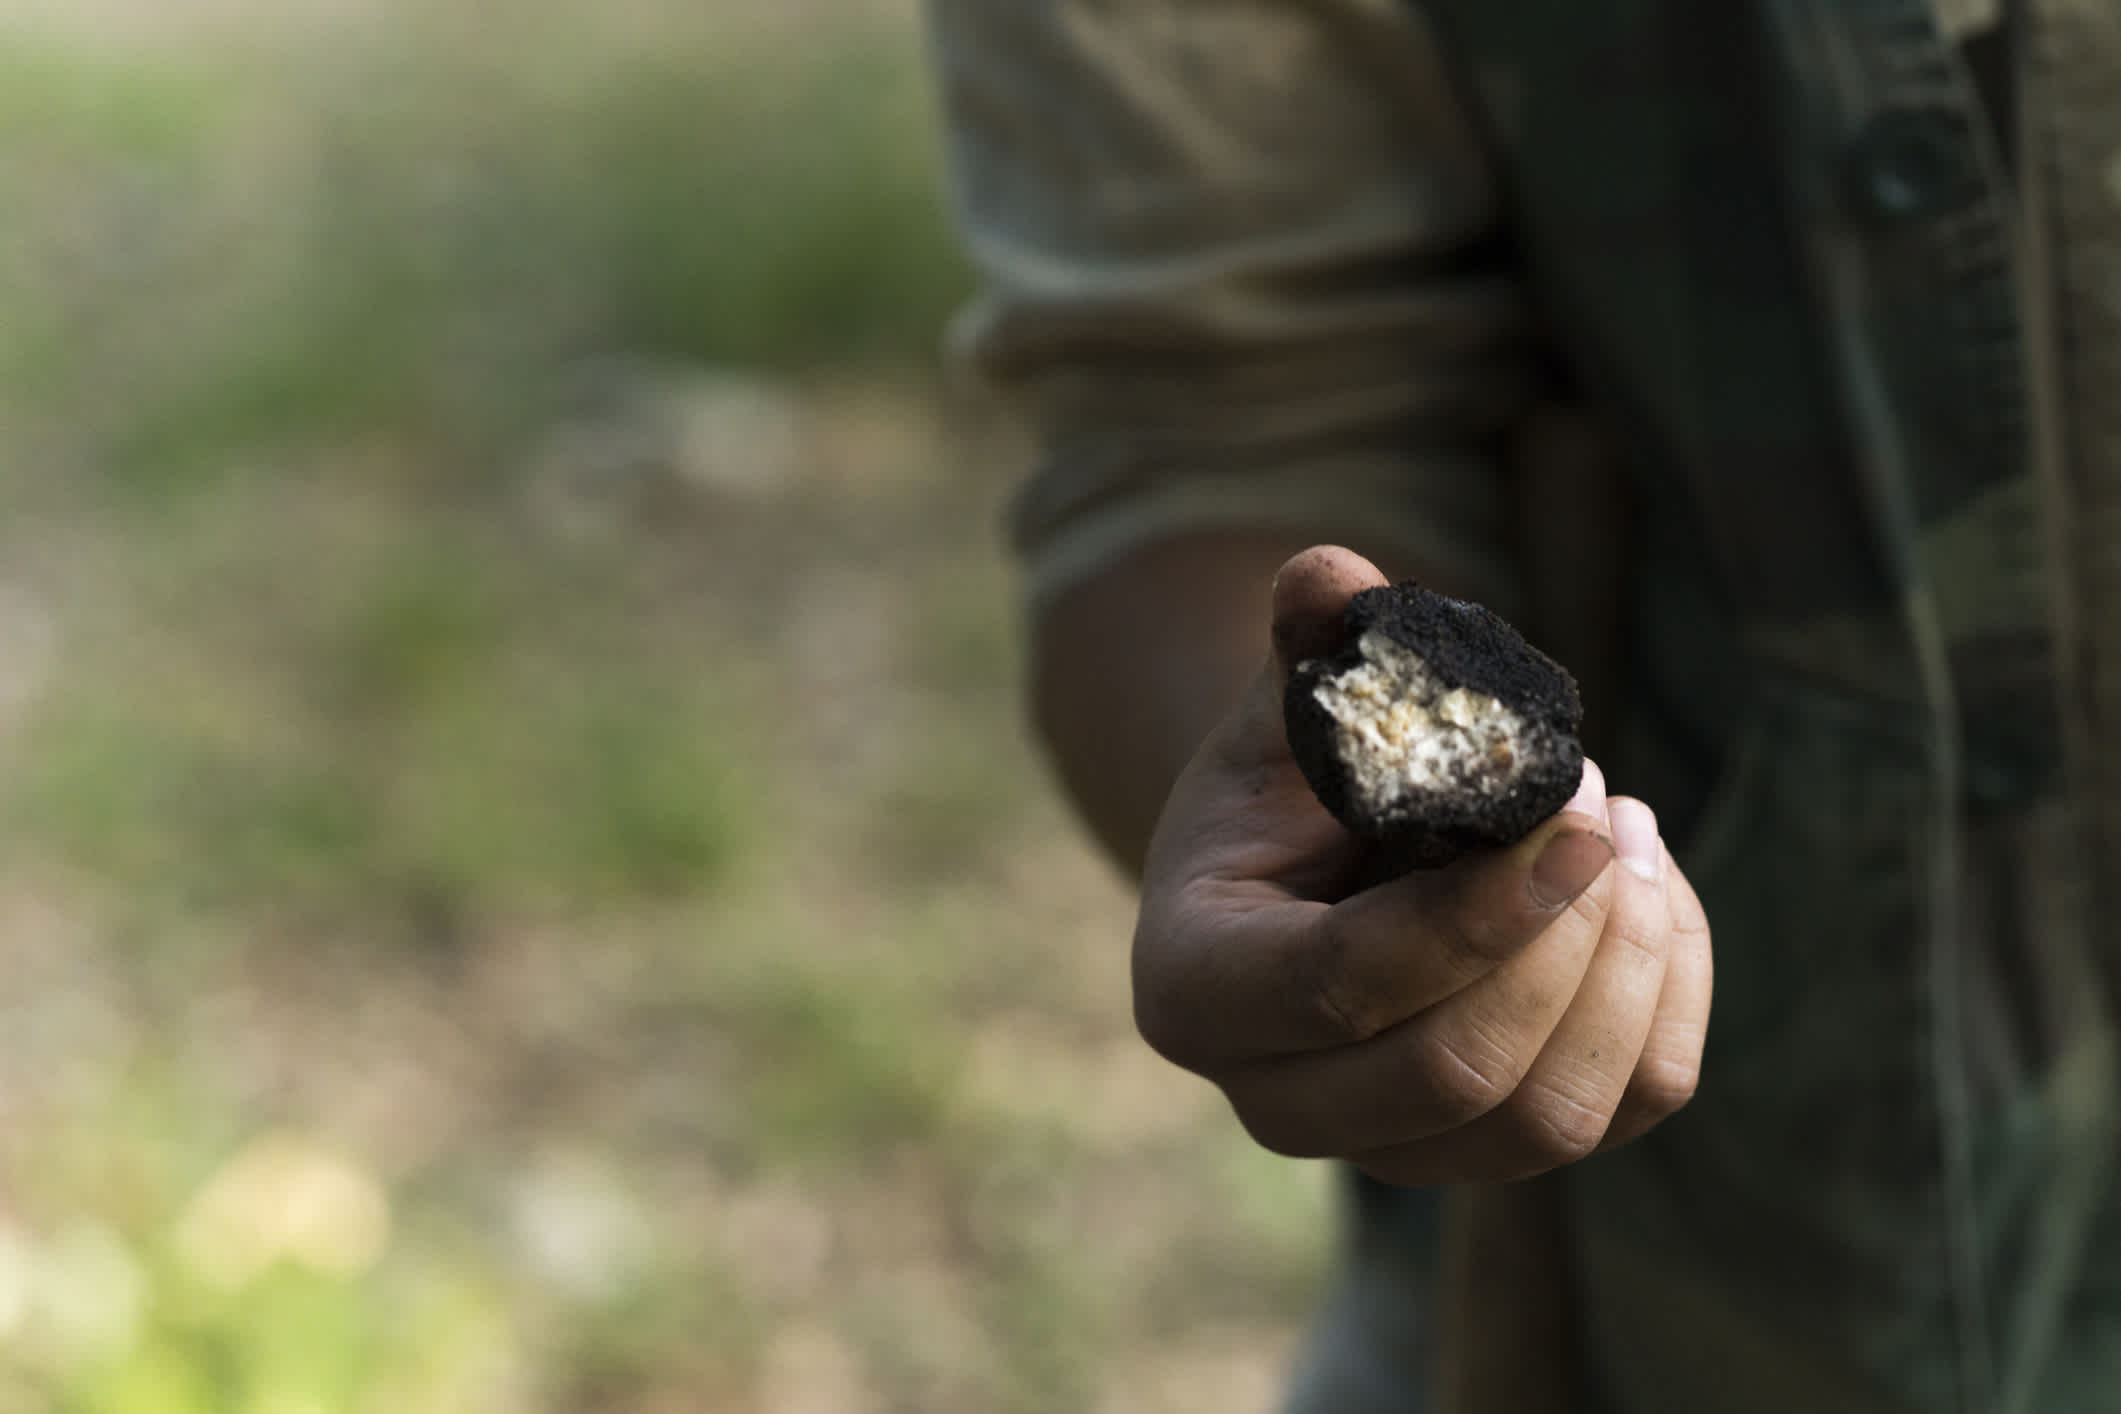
[1241, 268]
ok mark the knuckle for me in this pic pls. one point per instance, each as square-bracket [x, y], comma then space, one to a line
[1664, 1085]
[1462, 1085]
[1643, 937]
[1472, 944]
[1158, 1016]
[1349, 1013]
[1467, 915]
[1554, 1129]
[1286, 1135]
[1166, 996]
[1161, 1018]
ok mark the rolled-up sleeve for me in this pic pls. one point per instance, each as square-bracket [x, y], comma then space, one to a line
[1240, 268]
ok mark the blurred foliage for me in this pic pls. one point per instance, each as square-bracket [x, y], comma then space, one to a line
[413, 227]
[520, 882]
[405, 236]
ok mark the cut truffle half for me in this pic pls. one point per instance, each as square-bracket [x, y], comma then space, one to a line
[1437, 729]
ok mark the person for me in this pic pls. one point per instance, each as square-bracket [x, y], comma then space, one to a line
[1761, 360]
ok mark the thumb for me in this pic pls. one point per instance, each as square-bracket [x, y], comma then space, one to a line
[1311, 594]
[1310, 603]
[1242, 809]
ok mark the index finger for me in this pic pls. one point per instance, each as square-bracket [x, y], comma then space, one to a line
[1266, 974]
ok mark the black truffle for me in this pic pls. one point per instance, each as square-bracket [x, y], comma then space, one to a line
[1437, 729]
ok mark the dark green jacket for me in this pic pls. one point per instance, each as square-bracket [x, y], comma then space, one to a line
[1835, 296]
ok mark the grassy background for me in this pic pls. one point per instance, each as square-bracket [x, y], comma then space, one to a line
[521, 885]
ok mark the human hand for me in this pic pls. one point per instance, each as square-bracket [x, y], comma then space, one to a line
[1505, 1015]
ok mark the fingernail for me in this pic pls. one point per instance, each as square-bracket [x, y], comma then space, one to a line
[1566, 867]
[1590, 792]
[1635, 838]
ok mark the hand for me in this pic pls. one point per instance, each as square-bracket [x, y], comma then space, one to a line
[1505, 1015]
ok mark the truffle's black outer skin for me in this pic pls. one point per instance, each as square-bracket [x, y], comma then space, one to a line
[1466, 646]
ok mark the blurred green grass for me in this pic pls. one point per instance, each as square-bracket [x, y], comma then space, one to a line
[413, 244]
[413, 228]
[522, 883]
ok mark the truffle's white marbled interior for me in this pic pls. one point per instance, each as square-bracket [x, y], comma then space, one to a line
[1402, 733]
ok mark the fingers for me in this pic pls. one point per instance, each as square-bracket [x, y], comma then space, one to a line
[1400, 948]
[1510, 1013]
[1291, 977]
[1433, 1073]
[1241, 808]
[1237, 955]
[1501, 1082]
[1670, 1066]
[1573, 1090]
[1564, 1107]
